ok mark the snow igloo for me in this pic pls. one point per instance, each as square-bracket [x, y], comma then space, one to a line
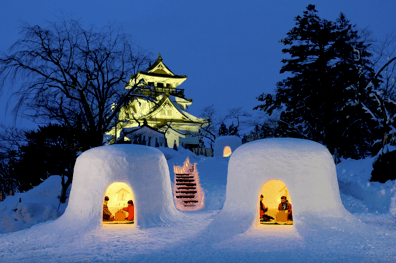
[305, 167]
[135, 172]
[226, 145]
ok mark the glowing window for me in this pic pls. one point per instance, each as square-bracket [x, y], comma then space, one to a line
[272, 192]
[119, 194]
[227, 151]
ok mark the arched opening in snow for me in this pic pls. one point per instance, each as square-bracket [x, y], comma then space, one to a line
[188, 193]
[227, 151]
[118, 204]
[274, 205]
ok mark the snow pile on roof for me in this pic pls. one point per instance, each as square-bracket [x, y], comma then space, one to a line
[221, 142]
[142, 168]
[306, 168]
[37, 205]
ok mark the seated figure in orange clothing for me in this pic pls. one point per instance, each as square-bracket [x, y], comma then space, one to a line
[263, 209]
[131, 211]
[107, 215]
[285, 205]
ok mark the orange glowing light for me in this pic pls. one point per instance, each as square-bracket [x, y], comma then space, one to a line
[119, 193]
[272, 191]
[188, 193]
[227, 151]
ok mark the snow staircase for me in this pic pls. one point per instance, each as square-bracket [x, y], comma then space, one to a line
[186, 188]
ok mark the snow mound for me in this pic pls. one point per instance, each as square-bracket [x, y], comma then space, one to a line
[142, 168]
[354, 180]
[171, 153]
[37, 205]
[223, 141]
[305, 167]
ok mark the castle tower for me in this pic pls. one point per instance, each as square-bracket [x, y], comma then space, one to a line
[167, 114]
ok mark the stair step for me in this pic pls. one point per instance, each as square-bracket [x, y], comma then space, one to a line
[185, 196]
[190, 201]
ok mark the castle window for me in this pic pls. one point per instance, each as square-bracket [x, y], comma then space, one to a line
[151, 83]
[160, 85]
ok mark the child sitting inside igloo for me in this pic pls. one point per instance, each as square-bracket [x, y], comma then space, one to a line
[263, 209]
[131, 211]
[286, 206]
[107, 215]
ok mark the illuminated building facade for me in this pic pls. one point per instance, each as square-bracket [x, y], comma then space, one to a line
[167, 114]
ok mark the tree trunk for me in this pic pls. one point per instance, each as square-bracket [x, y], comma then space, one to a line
[65, 186]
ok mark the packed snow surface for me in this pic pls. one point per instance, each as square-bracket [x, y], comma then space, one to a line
[369, 235]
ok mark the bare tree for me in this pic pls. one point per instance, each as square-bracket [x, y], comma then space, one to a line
[242, 119]
[378, 98]
[209, 129]
[72, 75]
[385, 50]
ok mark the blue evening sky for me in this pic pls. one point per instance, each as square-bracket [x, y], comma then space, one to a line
[229, 50]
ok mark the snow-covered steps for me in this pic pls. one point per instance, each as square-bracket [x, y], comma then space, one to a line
[187, 191]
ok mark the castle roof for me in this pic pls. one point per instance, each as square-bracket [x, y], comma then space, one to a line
[159, 69]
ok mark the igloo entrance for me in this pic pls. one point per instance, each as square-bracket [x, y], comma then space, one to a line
[118, 204]
[227, 151]
[274, 206]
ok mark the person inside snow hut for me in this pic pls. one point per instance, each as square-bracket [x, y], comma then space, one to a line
[263, 209]
[131, 211]
[107, 215]
[285, 205]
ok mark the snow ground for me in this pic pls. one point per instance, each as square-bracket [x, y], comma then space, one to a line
[367, 236]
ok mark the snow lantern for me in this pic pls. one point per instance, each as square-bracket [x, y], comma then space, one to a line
[189, 195]
[226, 145]
[305, 167]
[125, 172]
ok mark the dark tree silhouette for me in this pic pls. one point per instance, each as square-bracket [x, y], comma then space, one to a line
[322, 65]
[72, 75]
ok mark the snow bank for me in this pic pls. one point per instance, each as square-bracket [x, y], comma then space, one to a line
[37, 205]
[306, 168]
[221, 142]
[143, 168]
[354, 181]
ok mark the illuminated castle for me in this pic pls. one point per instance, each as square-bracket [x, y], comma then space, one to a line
[165, 119]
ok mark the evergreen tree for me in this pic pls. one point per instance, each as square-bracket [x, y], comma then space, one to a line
[322, 65]
[52, 150]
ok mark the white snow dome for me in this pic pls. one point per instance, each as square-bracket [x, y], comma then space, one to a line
[226, 145]
[305, 167]
[144, 169]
